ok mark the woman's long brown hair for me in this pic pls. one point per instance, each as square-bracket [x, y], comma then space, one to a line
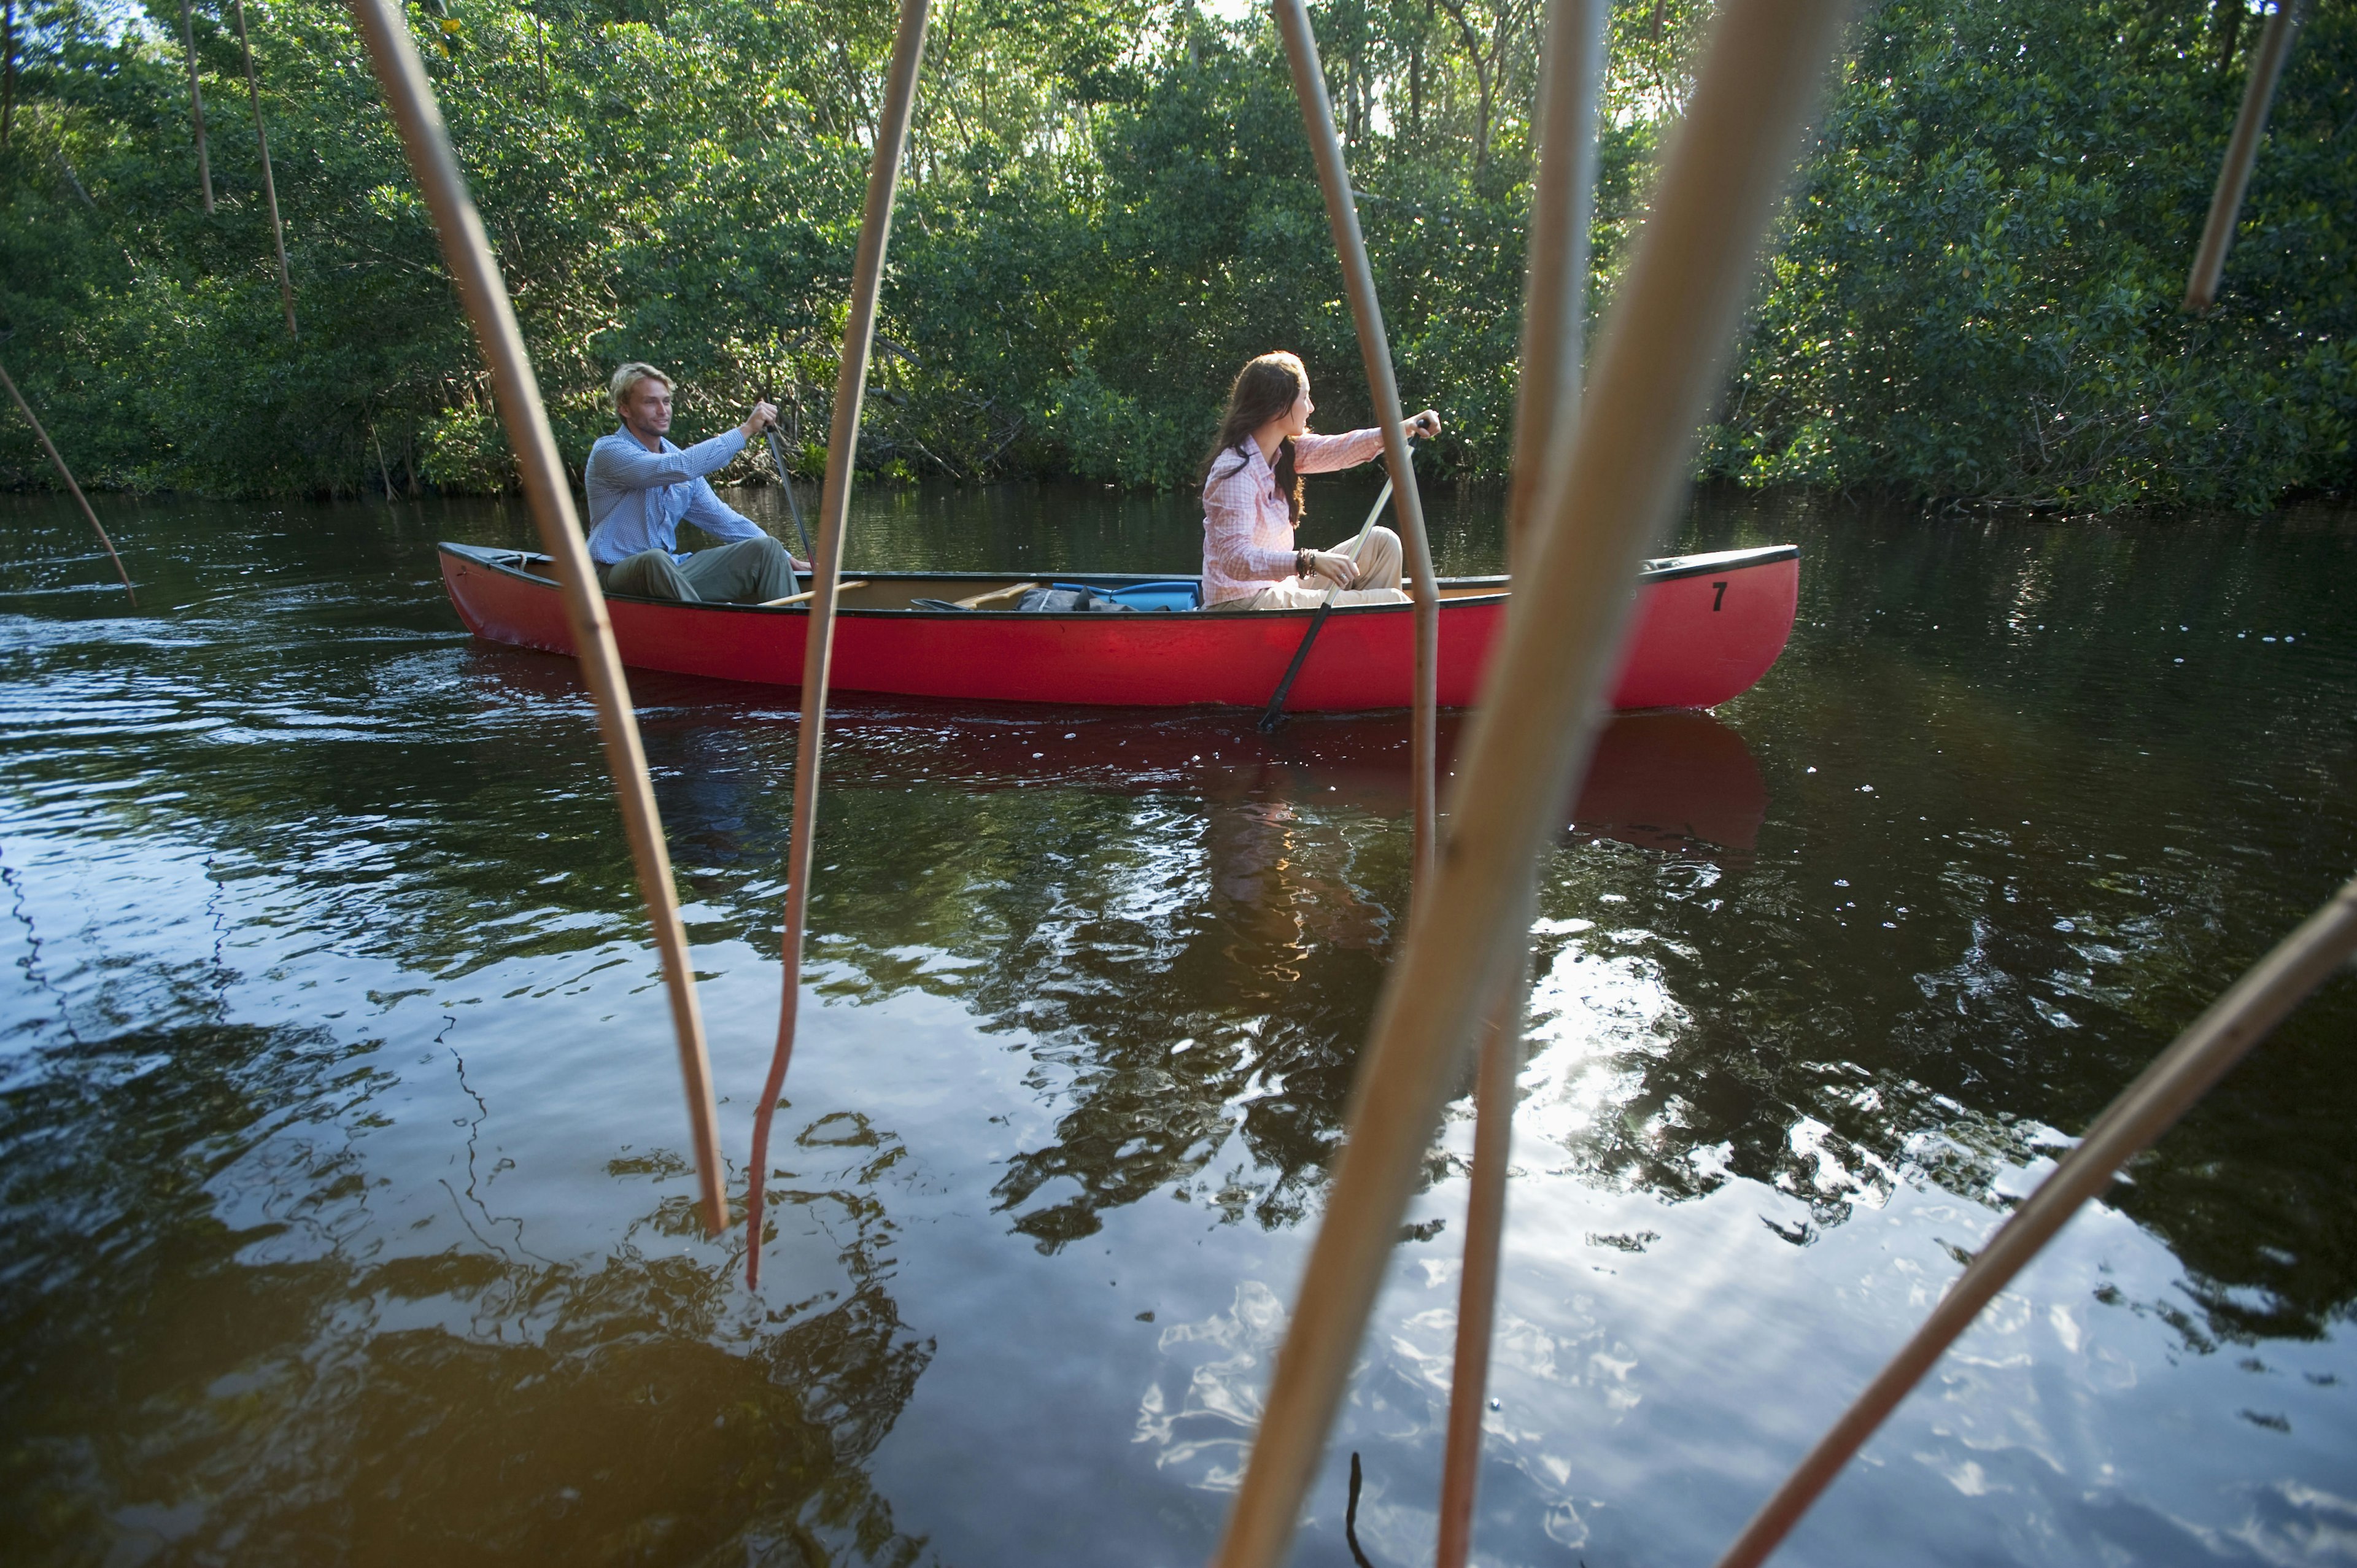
[1265, 390]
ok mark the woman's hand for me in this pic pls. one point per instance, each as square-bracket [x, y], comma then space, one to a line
[1330, 564]
[1425, 424]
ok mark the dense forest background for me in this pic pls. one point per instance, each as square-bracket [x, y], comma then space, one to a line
[1110, 205]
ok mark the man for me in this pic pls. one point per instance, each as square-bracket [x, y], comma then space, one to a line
[641, 488]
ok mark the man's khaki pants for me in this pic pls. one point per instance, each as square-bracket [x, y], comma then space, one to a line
[1376, 582]
[747, 572]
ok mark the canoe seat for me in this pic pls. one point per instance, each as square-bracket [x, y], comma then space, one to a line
[1178, 594]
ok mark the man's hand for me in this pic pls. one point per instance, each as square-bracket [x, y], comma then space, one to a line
[1425, 424]
[1328, 564]
[764, 415]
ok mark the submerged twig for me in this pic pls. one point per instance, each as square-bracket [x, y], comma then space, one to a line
[1351, 1517]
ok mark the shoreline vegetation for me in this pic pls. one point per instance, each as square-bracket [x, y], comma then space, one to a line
[1108, 204]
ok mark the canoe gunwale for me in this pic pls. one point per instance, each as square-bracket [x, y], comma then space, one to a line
[1669, 568]
[1662, 570]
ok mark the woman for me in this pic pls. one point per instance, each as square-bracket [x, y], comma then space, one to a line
[1251, 501]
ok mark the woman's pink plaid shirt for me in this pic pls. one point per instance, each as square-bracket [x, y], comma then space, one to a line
[1248, 542]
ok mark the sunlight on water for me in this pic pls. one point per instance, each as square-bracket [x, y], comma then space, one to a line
[1593, 1004]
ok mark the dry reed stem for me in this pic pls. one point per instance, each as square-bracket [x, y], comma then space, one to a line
[2242, 153]
[833, 515]
[1555, 295]
[1657, 370]
[467, 253]
[2225, 1034]
[197, 107]
[1546, 417]
[1383, 388]
[66, 474]
[1477, 1286]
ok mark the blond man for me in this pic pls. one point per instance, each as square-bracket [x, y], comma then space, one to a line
[641, 488]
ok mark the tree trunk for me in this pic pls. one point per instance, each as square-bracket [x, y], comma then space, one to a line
[1416, 88]
[197, 106]
[7, 73]
[269, 186]
[1480, 60]
[2229, 17]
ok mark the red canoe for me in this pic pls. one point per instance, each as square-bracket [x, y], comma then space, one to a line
[1708, 628]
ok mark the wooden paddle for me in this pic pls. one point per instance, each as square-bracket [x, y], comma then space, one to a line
[1274, 717]
[978, 600]
[806, 593]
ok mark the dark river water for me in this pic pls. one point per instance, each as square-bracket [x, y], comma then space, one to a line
[342, 1153]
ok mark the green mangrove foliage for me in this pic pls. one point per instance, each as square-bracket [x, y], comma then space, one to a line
[1109, 205]
[1979, 290]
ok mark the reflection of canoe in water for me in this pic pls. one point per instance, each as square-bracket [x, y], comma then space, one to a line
[1665, 779]
[1707, 626]
[1662, 780]
[1673, 780]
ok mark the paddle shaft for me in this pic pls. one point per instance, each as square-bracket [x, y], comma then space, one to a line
[807, 593]
[1275, 714]
[785, 478]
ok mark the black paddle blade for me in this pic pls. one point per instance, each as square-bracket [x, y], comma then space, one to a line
[1274, 717]
[786, 479]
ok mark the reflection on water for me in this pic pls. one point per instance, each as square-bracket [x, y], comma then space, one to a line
[348, 1216]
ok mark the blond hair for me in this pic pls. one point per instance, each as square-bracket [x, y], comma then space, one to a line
[627, 379]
